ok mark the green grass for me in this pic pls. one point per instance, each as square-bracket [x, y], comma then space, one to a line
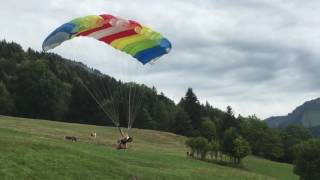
[35, 149]
[269, 168]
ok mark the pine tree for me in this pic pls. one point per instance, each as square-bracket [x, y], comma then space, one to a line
[191, 106]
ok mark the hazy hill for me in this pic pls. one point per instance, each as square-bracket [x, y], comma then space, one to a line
[307, 115]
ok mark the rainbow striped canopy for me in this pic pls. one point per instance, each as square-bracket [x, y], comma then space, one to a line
[128, 36]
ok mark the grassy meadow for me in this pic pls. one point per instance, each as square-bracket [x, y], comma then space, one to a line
[36, 150]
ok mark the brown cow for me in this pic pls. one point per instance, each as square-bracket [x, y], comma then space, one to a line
[71, 138]
[93, 135]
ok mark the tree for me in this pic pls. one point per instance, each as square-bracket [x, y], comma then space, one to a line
[228, 121]
[214, 114]
[204, 151]
[264, 141]
[144, 120]
[272, 147]
[201, 146]
[162, 115]
[192, 145]
[291, 136]
[82, 108]
[307, 159]
[6, 101]
[12, 51]
[191, 106]
[229, 137]
[241, 149]
[182, 123]
[251, 129]
[208, 129]
[214, 149]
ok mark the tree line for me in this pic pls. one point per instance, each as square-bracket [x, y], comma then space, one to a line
[46, 86]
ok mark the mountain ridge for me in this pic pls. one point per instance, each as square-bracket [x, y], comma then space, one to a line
[307, 115]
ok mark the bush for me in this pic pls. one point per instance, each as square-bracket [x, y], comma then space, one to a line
[198, 145]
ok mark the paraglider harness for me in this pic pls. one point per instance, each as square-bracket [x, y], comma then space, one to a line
[122, 143]
[125, 140]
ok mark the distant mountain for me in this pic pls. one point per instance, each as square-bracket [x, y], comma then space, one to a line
[307, 115]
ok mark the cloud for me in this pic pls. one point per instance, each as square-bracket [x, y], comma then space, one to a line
[257, 56]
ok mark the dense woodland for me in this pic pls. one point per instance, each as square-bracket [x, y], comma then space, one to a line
[46, 86]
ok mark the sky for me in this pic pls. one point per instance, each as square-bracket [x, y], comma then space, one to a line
[258, 56]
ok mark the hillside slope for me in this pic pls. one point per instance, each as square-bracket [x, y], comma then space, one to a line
[33, 149]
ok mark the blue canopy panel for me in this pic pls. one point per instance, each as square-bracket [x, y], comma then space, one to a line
[147, 55]
[64, 32]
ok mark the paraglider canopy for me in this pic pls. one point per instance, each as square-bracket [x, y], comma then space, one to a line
[128, 36]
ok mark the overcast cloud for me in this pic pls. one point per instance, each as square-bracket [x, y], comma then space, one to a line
[259, 56]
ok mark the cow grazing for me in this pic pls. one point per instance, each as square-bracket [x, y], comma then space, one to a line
[71, 138]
